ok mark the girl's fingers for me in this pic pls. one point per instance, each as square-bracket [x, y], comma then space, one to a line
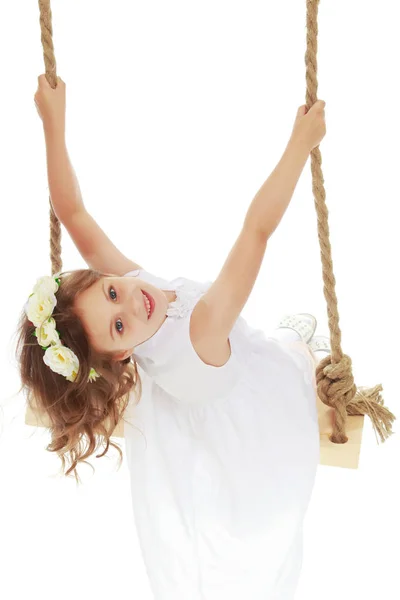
[42, 81]
[302, 111]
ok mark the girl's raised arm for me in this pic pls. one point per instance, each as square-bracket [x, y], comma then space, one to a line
[217, 311]
[92, 243]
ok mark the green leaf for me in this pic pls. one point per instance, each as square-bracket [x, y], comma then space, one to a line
[34, 333]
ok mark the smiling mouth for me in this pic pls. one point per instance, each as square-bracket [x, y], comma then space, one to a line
[151, 303]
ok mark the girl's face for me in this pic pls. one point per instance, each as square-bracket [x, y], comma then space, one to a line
[114, 312]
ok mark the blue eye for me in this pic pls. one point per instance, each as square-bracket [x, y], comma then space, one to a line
[119, 329]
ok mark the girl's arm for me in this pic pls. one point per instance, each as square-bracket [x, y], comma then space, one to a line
[271, 201]
[217, 311]
[50, 103]
[93, 244]
[65, 193]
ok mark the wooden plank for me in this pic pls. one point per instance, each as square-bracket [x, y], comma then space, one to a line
[346, 455]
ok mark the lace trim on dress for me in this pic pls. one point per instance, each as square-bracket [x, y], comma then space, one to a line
[187, 295]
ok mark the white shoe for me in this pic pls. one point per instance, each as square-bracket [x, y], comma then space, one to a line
[320, 342]
[303, 323]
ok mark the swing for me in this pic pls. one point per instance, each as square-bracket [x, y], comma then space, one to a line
[339, 401]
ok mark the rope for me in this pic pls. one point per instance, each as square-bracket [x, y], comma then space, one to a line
[51, 76]
[334, 376]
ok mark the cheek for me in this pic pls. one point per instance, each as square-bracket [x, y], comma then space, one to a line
[96, 327]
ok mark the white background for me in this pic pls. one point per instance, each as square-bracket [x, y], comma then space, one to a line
[177, 112]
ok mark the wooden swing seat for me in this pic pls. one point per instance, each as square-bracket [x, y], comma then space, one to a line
[333, 455]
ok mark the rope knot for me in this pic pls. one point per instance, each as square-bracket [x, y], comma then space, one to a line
[335, 381]
[336, 388]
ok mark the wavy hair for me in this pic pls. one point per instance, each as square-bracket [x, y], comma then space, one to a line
[83, 414]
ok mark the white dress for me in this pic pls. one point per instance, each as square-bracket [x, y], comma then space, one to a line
[222, 460]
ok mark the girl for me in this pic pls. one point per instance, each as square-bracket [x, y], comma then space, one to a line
[223, 439]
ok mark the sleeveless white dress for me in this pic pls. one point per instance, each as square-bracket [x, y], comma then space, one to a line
[222, 460]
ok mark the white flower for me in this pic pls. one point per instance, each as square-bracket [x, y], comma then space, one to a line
[62, 360]
[45, 286]
[47, 334]
[39, 308]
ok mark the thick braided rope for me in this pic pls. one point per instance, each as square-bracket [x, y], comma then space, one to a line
[334, 376]
[51, 76]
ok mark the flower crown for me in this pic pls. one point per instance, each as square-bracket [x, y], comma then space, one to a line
[38, 309]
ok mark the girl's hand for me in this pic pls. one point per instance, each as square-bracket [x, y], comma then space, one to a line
[51, 104]
[310, 128]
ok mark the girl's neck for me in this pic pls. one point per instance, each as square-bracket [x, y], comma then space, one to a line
[170, 294]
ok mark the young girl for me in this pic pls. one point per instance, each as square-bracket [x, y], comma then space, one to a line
[223, 440]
